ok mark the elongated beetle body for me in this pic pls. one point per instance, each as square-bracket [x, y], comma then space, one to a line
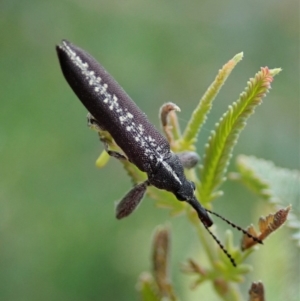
[112, 110]
[115, 112]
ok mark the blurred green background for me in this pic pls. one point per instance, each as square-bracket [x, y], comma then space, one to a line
[59, 239]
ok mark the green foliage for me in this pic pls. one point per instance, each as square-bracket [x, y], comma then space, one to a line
[59, 238]
[199, 115]
[222, 140]
[277, 185]
[218, 151]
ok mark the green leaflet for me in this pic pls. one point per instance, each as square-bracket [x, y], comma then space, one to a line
[199, 115]
[220, 144]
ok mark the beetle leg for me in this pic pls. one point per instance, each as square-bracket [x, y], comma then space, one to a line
[131, 200]
[95, 125]
[114, 154]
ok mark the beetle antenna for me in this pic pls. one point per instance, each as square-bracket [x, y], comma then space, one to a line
[235, 226]
[221, 246]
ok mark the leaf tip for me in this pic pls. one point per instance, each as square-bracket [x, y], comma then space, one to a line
[238, 57]
[102, 159]
[275, 71]
[267, 225]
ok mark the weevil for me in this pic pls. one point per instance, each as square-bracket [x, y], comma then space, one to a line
[112, 110]
[115, 112]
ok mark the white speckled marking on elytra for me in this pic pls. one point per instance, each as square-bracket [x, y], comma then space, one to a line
[149, 145]
[171, 171]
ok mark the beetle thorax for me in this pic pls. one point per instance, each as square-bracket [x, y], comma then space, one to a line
[169, 175]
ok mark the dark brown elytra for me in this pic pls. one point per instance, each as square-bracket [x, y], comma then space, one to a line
[112, 110]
